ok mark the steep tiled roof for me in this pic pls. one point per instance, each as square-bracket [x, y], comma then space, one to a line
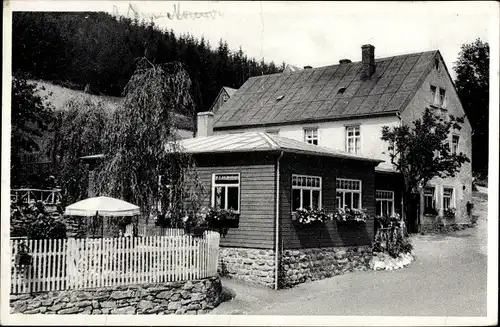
[259, 142]
[313, 94]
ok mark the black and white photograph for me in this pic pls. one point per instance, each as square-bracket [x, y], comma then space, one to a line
[250, 163]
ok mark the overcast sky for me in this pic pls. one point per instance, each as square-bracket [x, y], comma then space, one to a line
[321, 33]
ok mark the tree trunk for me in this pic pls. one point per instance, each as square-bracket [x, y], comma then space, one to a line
[406, 210]
[421, 208]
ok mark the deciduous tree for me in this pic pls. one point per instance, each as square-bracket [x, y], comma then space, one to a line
[136, 143]
[31, 115]
[422, 152]
[472, 84]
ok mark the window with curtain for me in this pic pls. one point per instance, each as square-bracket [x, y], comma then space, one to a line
[385, 202]
[226, 191]
[306, 192]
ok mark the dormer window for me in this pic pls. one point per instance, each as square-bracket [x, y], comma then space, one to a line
[341, 90]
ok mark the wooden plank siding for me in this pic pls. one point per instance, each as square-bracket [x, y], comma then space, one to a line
[295, 236]
[257, 196]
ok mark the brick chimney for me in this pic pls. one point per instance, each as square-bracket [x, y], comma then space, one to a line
[368, 60]
[205, 124]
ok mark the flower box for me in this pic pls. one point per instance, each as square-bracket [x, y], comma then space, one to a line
[310, 216]
[221, 218]
[351, 215]
[449, 213]
[430, 212]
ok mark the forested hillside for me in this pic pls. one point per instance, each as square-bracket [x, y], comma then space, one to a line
[76, 49]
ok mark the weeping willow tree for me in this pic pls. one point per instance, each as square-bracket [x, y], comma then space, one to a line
[135, 147]
[78, 131]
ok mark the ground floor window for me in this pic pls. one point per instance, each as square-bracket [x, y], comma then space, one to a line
[226, 191]
[385, 202]
[447, 198]
[429, 201]
[306, 192]
[348, 193]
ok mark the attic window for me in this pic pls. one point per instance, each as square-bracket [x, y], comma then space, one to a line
[280, 97]
[436, 63]
[341, 90]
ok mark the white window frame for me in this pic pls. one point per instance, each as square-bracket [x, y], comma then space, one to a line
[441, 101]
[350, 190]
[451, 197]
[313, 137]
[434, 91]
[454, 149]
[226, 187]
[385, 199]
[434, 195]
[354, 137]
[311, 188]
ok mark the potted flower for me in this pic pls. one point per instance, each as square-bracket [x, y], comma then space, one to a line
[23, 258]
[309, 216]
[200, 222]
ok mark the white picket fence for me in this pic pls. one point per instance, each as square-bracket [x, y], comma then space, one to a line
[158, 231]
[92, 263]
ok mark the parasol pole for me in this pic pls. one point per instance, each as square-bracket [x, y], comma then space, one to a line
[102, 239]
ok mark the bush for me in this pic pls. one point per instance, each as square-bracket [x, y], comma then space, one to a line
[46, 227]
[39, 224]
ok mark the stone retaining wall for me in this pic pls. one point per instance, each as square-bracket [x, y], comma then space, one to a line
[303, 265]
[191, 297]
[252, 265]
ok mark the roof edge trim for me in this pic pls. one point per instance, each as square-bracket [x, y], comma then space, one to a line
[306, 121]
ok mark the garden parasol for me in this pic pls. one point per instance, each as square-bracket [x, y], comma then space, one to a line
[102, 206]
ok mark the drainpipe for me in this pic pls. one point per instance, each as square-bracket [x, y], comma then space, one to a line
[276, 260]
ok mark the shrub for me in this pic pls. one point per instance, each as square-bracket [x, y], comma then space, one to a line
[40, 224]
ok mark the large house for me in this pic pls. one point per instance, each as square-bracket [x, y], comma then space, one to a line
[343, 107]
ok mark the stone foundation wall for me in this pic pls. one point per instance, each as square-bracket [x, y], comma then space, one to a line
[440, 228]
[303, 265]
[437, 224]
[252, 265]
[191, 297]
